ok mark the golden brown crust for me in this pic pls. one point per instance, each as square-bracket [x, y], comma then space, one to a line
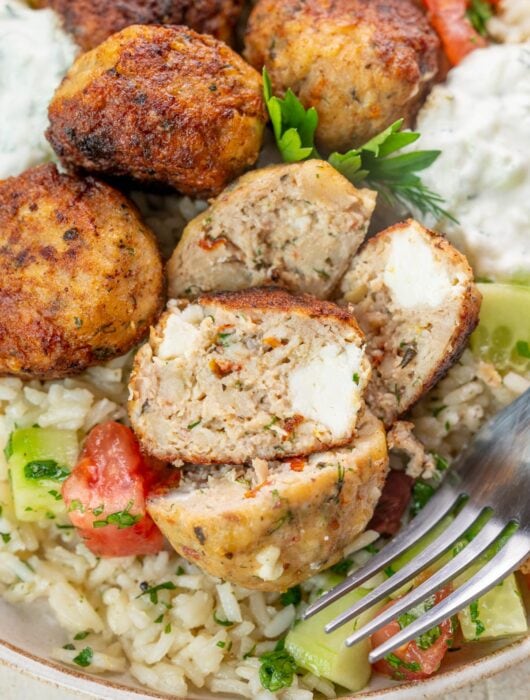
[160, 105]
[92, 21]
[81, 279]
[273, 298]
[362, 63]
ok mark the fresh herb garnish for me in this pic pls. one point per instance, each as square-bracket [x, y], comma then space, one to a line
[223, 623]
[153, 591]
[6, 537]
[121, 519]
[76, 505]
[81, 635]
[84, 658]
[56, 495]
[69, 647]
[356, 377]
[194, 424]
[479, 12]
[398, 663]
[479, 626]
[523, 349]
[292, 596]
[45, 469]
[421, 494]
[427, 639]
[277, 670]
[394, 177]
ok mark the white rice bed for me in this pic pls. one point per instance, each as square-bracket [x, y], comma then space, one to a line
[175, 645]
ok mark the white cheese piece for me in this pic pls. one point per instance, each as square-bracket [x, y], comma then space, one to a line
[35, 54]
[180, 338]
[270, 568]
[324, 389]
[413, 274]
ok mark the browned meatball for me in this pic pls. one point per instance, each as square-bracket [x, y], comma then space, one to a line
[362, 63]
[160, 105]
[92, 21]
[81, 278]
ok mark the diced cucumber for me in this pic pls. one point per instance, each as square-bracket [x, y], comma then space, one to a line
[39, 460]
[326, 655]
[499, 613]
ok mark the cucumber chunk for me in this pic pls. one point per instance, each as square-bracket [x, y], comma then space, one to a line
[39, 460]
[325, 655]
[499, 613]
[503, 334]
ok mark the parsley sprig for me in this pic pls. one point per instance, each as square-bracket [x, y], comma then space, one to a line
[478, 13]
[375, 163]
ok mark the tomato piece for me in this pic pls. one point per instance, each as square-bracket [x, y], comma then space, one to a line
[421, 657]
[457, 34]
[105, 494]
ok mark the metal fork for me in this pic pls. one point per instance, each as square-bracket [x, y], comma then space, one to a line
[488, 488]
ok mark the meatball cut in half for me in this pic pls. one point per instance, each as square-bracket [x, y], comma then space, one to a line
[362, 64]
[160, 105]
[255, 373]
[275, 531]
[92, 21]
[416, 301]
[297, 225]
[81, 278]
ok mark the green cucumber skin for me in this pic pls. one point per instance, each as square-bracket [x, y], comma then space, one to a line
[32, 498]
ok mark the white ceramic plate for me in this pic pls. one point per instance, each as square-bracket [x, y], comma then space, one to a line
[28, 632]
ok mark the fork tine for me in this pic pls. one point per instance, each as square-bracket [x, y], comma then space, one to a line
[514, 552]
[441, 544]
[489, 533]
[440, 504]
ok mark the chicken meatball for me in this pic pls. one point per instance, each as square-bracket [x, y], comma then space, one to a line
[361, 63]
[416, 300]
[296, 224]
[276, 531]
[81, 278]
[255, 373]
[92, 21]
[160, 105]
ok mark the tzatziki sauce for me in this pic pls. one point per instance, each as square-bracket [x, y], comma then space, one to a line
[480, 120]
[35, 53]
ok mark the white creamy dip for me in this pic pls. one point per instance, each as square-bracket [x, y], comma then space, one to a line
[480, 120]
[35, 53]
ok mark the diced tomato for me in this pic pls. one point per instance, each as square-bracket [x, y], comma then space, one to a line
[421, 657]
[457, 34]
[105, 494]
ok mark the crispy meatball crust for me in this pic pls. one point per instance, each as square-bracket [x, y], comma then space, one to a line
[361, 63]
[81, 279]
[92, 21]
[160, 105]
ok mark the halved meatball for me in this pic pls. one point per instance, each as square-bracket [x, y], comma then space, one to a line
[291, 525]
[362, 63]
[92, 21]
[415, 299]
[81, 279]
[297, 225]
[255, 373]
[160, 105]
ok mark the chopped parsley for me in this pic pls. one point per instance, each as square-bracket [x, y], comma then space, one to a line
[121, 519]
[479, 12]
[45, 469]
[523, 349]
[56, 495]
[84, 658]
[194, 424]
[223, 338]
[356, 377]
[292, 596]
[8, 449]
[152, 592]
[6, 537]
[421, 495]
[277, 670]
[223, 623]
[398, 663]
[342, 567]
[76, 505]
[474, 615]
[81, 635]
[427, 639]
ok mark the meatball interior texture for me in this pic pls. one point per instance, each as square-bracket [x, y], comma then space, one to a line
[256, 373]
[81, 278]
[160, 105]
[297, 225]
[416, 301]
[275, 533]
[361, 63]
[92, 21]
